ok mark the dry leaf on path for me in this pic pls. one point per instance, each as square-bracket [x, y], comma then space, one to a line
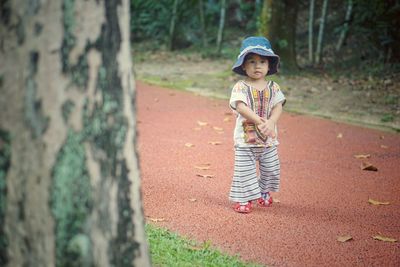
[203, 168]
[275, 200]
[205, 175]
[340, 135]
[228, 113]
[189, 145]
[218, 128]
[157, 219]
[192, 199]
[344, 238]
[384, 238]
[195, 247]
[226, 119]
[214, 143]
[376, 202]
[366, 166]
[362, 156]
[202, 123]
[384, 147]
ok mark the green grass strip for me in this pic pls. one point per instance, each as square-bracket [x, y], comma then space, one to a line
[170, 249]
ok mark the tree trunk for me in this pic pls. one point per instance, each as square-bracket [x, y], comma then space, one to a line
[202, 23]
[221, 26]
[172, 25]
[311, 32]
[345, 28]
[279, 18]
[69, 177]
[318, 56]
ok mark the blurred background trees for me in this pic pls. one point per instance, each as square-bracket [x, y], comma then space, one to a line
[318, 34]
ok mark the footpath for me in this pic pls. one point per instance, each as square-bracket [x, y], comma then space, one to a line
[186, 154]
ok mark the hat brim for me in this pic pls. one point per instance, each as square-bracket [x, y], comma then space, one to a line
[273, 61]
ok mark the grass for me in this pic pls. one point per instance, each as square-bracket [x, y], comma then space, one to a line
[170, 249]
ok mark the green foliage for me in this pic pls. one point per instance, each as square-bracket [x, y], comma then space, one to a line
[169, 249]
[387, 118]
[150, 20]
[70, 201]
[378, 21]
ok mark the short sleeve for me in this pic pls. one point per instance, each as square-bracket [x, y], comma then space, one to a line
[238, 94]
[278, 95]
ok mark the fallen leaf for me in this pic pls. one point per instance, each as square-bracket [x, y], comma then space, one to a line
[340, 135]
[382, 137]
[384, 238]
[384, 147]
[189, 145]
[344, 238]
[203, 168]
[226, 119]
[205, 175]
[202, 123]
[218, 128]
[362, 156]
[215, 143]
[192, 199]
[366, 166]
[195, 247]
[275, 200]
[228, 113]
[157, 219]
[376, 202]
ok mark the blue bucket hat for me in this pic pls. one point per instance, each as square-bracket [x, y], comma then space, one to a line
[260, 46]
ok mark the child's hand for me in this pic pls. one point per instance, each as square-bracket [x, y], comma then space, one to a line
[267, 128]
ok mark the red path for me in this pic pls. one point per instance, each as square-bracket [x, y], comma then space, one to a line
[324, 193]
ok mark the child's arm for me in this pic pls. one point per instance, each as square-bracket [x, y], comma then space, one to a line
[247, 113]
[268, 128]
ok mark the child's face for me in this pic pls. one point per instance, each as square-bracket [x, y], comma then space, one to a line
[256, 66]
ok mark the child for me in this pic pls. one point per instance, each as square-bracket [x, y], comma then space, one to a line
[258, 104]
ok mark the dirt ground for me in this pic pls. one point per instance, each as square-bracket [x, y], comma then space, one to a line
[368, 101]
[324, 199]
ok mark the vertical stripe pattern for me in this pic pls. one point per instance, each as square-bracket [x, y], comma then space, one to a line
[245, 183]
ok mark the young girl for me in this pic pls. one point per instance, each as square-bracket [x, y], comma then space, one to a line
[258, 104]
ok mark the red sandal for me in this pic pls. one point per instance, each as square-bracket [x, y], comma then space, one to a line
[242, 208]
[263, 202]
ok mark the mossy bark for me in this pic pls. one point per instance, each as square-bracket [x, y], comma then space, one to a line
[69, 185]
[278, 24]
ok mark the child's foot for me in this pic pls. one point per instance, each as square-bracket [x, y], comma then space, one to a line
[265, 200]
[242, 208]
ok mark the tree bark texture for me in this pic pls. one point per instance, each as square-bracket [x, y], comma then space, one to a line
[221, 25]
[345, 29]
[202, 23]
[322, 21]
[69, 179]
[311, 32]
[280, 29]
[172, 25]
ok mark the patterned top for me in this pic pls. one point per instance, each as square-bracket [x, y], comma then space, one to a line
[261, 102]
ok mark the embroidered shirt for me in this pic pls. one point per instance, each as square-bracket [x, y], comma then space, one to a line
[261, 102]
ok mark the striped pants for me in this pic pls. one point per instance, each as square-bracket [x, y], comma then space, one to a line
[246, 185]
